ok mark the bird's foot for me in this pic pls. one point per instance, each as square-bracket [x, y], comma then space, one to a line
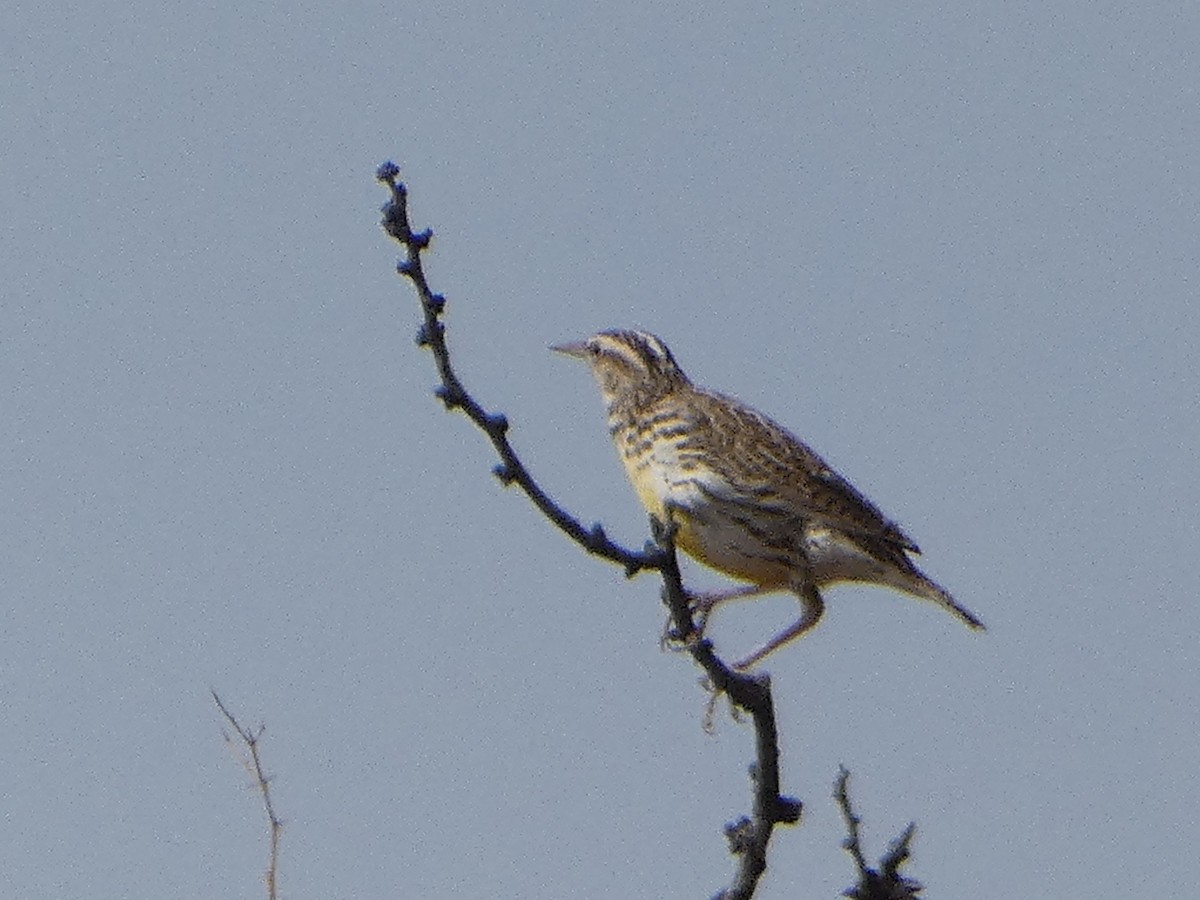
[674, 639]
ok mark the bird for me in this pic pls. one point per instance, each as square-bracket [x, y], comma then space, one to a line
[743, 494]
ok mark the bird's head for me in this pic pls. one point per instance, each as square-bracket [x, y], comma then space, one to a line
[628, 365]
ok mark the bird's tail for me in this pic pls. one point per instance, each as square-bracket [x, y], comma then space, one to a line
[928, 589]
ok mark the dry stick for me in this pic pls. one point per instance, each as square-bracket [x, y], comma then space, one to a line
[253, 764]
[432, 334]
[887, 883]
[748, 838]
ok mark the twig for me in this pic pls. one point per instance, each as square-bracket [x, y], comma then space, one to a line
[887, 883]
[749, 837]
[245, 748]
[432, 334]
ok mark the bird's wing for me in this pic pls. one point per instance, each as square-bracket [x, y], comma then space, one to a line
[775, 462]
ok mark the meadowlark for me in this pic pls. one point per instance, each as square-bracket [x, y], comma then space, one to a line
[746, 497]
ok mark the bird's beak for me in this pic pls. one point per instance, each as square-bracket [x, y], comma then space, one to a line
[577, 349]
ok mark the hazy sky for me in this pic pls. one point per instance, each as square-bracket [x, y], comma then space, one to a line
[952, 246]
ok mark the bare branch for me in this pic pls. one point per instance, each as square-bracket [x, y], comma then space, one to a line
[749, 837]
[432, 334]
[887, 883]
[245, 748]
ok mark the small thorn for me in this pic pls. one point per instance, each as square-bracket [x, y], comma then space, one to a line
[393, 217]
[404, 267]
[498, 423]
[788, 810]
[452, 398]
[425, 335]
[740, 835]
[505, 473]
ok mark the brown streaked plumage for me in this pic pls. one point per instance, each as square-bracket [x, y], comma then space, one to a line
[747, 497]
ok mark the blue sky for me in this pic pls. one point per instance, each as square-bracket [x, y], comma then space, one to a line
[953, 248]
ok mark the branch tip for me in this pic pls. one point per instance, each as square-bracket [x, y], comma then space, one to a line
[252, 762]
[887, 882]
[387, 172]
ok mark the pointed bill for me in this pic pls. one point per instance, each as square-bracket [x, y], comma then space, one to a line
[575, 348]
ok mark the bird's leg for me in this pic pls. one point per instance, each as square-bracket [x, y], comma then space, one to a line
[702, 605]
[812, 608]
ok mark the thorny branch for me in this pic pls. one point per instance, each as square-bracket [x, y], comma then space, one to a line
[748, 837]
[245, 748]
[432, 334]
[886, 883]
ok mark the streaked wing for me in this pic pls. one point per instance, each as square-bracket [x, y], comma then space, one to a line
[777, 462]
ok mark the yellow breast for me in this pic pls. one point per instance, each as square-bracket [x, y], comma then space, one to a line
[669, 471]
[706, 531]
